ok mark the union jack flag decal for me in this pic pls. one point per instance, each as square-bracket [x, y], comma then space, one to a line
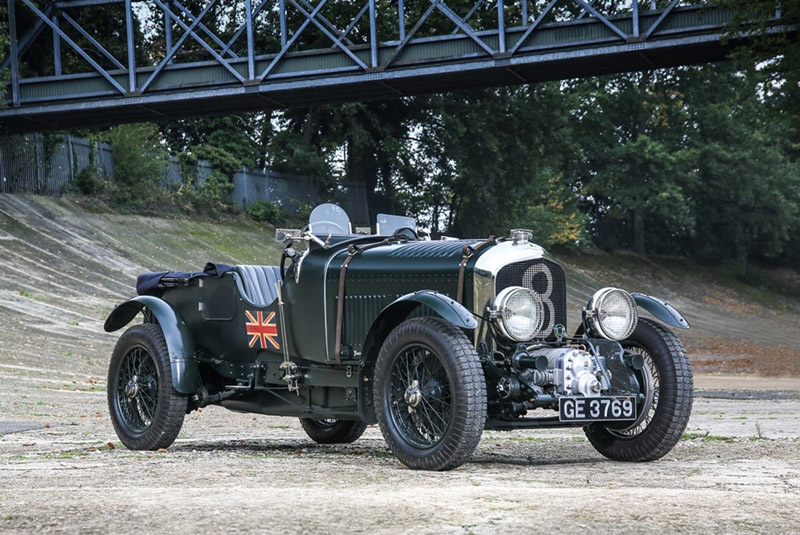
[263, 331]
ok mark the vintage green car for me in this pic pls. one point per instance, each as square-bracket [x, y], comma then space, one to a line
[435, 341]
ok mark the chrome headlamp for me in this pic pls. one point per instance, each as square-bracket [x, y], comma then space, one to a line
[612, 314]
[518, 313]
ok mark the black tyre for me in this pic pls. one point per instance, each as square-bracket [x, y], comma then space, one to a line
[333, 431]
[146, 411]
[430, 394]
[668, 387]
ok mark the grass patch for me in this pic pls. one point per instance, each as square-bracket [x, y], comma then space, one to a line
[706, 436]
[529, 439]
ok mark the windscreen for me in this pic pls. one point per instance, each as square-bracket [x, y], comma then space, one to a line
[389, 224]
[329, 218]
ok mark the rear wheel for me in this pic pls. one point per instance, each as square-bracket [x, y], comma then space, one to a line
[430, 394]
[146, 411]
[668, 387]
[333, 431]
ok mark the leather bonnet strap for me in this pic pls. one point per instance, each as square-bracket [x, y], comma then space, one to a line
[352, 251]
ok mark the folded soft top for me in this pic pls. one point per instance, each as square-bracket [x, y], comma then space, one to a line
[156, 282]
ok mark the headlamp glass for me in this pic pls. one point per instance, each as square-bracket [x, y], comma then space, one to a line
[613, 314]
[520, 313]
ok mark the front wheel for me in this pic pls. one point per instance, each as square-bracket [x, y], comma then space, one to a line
[668, 388]
[333, 431]
[147, 412]
[430, 394]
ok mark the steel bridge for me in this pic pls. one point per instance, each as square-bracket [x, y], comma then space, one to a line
[289, 53]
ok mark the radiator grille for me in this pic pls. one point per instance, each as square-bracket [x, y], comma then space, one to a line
[547, 279]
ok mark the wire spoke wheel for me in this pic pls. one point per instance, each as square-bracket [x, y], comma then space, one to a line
[429, 394]
[667, 385]
[146, 411]
[421, 404]
[137, 389]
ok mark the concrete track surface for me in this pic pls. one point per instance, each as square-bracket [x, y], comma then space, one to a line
[63, 470]
[736, 470]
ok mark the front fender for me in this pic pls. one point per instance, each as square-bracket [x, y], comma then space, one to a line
[661, 310]
[389, 318]
[185, 375]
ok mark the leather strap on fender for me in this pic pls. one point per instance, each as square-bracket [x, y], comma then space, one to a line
[352, 251]
[467, 252]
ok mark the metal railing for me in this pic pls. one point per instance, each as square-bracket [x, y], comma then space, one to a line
[46, 165]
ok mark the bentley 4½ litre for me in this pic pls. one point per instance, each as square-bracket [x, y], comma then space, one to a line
[434, 341]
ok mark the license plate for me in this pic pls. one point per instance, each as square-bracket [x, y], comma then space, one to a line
[606, 408]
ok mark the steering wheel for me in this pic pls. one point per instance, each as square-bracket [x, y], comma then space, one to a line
[406, 232]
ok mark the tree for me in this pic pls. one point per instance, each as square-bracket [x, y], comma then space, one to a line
[633, 163]
[777, 54]
[748, 188]
[138, 164]
[493, 159]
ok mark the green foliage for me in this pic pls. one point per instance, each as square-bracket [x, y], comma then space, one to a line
[304, 143]
[238, 138]
[223, 161]
[748, 187]
[634, 164]
[88, 180]
[488, 161]
[207, 192]
[776, 55]
[265, 211]
[213, 195]
[139, 162]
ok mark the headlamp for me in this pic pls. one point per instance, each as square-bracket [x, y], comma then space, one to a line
[612, 314]
[519, 313]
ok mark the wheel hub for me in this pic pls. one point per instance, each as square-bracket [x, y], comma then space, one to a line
[132, 387]
[413, 395]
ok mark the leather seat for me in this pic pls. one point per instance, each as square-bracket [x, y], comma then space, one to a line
[257, 283]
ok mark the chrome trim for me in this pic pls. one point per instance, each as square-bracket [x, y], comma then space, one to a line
[504, 253]
[299, 265]
[489, 265]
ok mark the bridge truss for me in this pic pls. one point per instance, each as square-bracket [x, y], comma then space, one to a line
[288, 53]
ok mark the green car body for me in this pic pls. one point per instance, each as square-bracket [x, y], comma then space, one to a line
[305, 342]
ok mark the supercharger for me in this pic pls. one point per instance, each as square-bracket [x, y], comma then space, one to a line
[570, 371]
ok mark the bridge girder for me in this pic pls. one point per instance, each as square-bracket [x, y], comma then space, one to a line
[495, 42]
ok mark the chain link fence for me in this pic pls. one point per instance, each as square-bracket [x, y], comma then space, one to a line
[48, 165]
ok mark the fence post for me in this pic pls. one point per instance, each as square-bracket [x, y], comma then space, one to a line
[39, 157]
[70, 159]
[3, 172]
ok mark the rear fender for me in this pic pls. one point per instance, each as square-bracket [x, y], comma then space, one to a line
[389, 318]
[185, 375]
